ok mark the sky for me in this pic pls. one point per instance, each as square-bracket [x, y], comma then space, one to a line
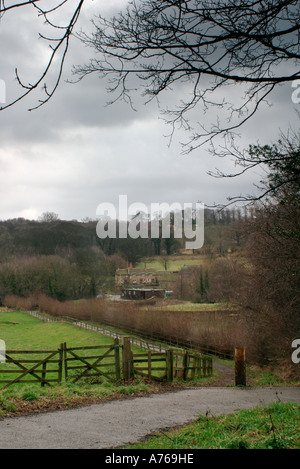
[76, 152]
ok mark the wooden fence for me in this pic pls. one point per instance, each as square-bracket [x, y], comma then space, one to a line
[112, 362]
[142, 338]
[166, 365]
[190, 365]
[92, 363]
[152, 365]
[43, 366]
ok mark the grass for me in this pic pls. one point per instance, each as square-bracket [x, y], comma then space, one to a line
[173, 263]
[20, 400]
[271, 427]
[21, 331]
[271, 376]
[188, 306]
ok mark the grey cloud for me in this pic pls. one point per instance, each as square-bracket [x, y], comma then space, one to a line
[75, 153]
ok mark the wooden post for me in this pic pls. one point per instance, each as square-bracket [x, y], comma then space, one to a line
[169, 364]
[193, 371]
[240, 366]
[149, 364]
[44, 373]
[65, 360]
[205, 367]
[60, 363]
[117, 359]
[185, 365]
[176, 366]
[210, 366]
[127, 359]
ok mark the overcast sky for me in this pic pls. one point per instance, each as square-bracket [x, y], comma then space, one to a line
[75, 152]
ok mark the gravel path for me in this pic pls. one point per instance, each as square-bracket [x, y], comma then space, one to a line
[120, 422]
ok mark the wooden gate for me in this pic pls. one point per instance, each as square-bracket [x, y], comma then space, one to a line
[171, 364]
[100, 362]
[43, 366]
[190, 365]
[151, 365]
[89, 363]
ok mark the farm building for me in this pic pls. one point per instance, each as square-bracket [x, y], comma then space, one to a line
[131, 293]
[135, 276]
[145, 277]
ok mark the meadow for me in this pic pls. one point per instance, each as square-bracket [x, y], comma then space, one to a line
[173, 263]
[23, 332]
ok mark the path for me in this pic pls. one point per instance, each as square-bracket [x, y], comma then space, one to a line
[120, 422]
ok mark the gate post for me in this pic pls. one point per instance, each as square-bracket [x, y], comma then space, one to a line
[127, 359]
[240, 366]
[117, 360]
[185, 361]
[60, 362]
[169, 364]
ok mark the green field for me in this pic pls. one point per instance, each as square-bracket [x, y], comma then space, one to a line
[22, 331]
[172, 263]
[187, 306]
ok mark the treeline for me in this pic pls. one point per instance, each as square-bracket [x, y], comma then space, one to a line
[51, 236]
[218, 280]
[66, 259]
[81, 275]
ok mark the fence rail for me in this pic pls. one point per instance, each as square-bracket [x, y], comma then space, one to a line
[143, 365]
[111, 362]
[138, 341]
[191, 365]
[84, 362]
[43, 366]
[171, 364]
[152, 341]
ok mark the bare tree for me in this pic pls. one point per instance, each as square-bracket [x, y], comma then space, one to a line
[58, 43]
[282, 168]
[211, 44]
[48, 217]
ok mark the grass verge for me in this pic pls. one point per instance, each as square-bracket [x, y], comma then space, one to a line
[28, 399]
[271, 427]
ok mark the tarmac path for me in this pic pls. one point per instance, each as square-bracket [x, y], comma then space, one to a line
[120, 422]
